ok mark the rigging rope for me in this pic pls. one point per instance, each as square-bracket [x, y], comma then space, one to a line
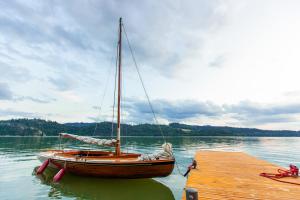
[103, 96]
[192, 166]
[140, 77]
[122, 105]
[178, 169]
[115, 89]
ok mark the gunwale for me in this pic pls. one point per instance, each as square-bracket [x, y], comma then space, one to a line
[70, 156]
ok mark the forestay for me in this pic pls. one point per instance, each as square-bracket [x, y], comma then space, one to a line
[90, 140]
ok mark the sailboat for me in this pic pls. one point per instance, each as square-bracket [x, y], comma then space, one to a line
[108, 164]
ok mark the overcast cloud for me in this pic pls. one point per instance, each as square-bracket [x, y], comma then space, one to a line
[203, 62]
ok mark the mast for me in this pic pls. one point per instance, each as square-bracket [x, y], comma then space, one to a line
[118, 145]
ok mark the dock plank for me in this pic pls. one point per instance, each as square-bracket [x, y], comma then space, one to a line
[235, 175]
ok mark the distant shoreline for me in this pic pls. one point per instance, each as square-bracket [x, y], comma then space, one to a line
[145, 136]
[43, 128]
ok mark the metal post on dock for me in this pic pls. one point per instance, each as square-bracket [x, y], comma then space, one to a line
[191, 194]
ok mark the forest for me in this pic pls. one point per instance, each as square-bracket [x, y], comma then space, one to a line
[39, 127]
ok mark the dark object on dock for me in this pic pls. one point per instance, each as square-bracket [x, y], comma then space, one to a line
[292, 172]
[191, 194]
[192, 166]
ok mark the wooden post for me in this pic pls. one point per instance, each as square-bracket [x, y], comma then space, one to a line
[191, 194]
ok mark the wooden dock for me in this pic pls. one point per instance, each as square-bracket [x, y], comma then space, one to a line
[235, 175]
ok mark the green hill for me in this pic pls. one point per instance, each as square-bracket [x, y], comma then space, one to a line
[38, 127]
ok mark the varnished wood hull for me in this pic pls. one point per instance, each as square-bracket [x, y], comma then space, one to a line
[112, 167]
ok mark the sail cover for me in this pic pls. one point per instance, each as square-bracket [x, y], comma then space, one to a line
[90, 140]
[167, 152]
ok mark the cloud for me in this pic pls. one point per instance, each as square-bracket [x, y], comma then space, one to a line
[64, 48]
[19, 114]
[218, 61]
[170, 110]
[5, 92]
[13, 113]
[14, 73]
[250, 113]
[18, 28]
[35, 33]
[293, 93]
[251, 108]
[83, 27]
[33, 99]
[96, 107]
[63, 83]
[75, 39]
[246, 113]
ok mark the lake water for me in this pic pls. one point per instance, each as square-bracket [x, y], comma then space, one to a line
[18, 160]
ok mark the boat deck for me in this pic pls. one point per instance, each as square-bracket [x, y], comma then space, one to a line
[96, 157]
[235, 175]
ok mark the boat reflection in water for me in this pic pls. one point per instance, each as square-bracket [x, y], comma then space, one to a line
[105, 189]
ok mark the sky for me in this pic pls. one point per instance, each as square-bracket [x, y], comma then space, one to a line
[205, 62]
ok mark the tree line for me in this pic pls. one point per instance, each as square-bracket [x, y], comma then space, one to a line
[39, 127]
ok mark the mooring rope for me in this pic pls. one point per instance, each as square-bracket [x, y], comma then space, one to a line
[178, 169]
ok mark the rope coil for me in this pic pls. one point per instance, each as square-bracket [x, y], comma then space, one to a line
[292, 172]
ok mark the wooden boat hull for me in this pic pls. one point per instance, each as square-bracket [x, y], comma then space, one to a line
[110, 166]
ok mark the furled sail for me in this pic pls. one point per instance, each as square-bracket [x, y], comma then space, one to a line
[167, 152]
[90, 140]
